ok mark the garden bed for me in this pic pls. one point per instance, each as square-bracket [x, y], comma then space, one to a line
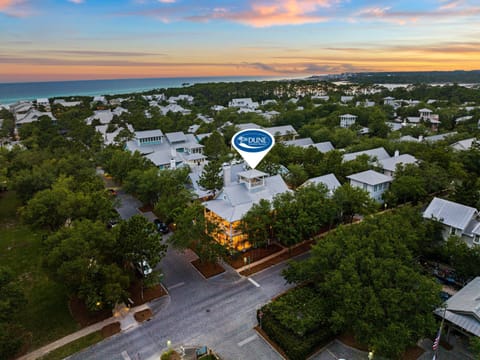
[303, 248]
[208, 269]
[111, 329]
[143, 315]
[83, 316]
[149, 294]
[237, 261]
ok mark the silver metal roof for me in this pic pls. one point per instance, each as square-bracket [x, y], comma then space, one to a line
[390, 164]
[450, 213]
[370, 177]
[463, 308]
[329, 180]
[299, 142]
[379, 153]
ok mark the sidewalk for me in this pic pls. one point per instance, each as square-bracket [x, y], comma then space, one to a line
[125, 319]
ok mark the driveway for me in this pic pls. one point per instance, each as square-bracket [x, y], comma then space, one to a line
[218, 313]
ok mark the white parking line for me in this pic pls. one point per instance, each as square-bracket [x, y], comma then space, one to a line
[254, 282]
[247, 340]
[125, 355]
[176, 285]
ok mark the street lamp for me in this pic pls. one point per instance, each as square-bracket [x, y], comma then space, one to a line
[169, 344]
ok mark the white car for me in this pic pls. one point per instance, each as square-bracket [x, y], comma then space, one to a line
[144, 268]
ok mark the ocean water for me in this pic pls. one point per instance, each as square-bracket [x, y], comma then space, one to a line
[13, 92]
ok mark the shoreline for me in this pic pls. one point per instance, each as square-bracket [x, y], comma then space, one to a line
[10, 93]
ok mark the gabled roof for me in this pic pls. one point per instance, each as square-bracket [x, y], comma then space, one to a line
[247, 126]
[148, 133]
[178, 136]
[463, 308]
[440, 137]
[425, 110]
[323, 147]
[380, 153]
[329, 180]
[450, 213]
[235, 200]
[463, 144]
[281, 130]
[370, 177]
[299, 142]
[390, 164]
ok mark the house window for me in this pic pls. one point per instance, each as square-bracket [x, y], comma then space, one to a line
[454, 231]
[376, 187]
[476, 239]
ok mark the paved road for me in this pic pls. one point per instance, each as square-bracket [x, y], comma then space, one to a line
[219, 313]
[128, 205]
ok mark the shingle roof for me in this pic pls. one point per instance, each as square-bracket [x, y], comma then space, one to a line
[450, 213]
[370, 177]
[380, 153]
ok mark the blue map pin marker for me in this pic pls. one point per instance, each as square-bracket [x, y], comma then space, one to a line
[253, 145]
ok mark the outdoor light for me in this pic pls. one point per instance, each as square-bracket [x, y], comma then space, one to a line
[370, 355]
[169, 344]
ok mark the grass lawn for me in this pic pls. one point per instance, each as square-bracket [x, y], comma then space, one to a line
[46, 316]
[74, 346]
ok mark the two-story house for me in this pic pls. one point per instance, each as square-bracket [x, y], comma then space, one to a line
[457, 219]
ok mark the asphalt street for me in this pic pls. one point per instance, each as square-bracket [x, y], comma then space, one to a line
[218, 313]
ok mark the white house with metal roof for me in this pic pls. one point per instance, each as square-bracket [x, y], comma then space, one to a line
[389, 165]
[243, 103]
[371, 181]
[285, 132]
[305, 142]
[167, 151]
[330, 181]
[462, 311]
[457, 219]
[347, 120]
[378, 153]
[236, 199]
[323, 147]
[30, 116]
[463, 145]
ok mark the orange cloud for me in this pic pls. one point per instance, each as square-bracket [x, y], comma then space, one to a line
[267, 13]
[15, 8]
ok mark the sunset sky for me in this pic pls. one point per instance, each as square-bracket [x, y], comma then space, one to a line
[44, 40]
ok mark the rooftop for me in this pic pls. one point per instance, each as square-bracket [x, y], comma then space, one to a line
[379, 153]
[370, 177]
[450, 213]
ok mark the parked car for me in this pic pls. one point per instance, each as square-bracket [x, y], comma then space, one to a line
[161, 226]
[112, 192]
[143, 268]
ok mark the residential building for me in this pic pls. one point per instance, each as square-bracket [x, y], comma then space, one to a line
[43, 102]
[285, 132]
[103, 116]
[425, 114]
[389, 165]
[345, 99]
[441, 137]
[457, 219]
[329, 180]
[299, 142]
[371, 181]
[65, 103]
[347, 120]
[463, 145]
[30, 116]
[378, 153]
[323, 147]
[462, 311]
[168, 151]
[236, 199]
[100, 99]
[243, 103]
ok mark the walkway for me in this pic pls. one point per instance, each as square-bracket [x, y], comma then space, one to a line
[125, 317]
